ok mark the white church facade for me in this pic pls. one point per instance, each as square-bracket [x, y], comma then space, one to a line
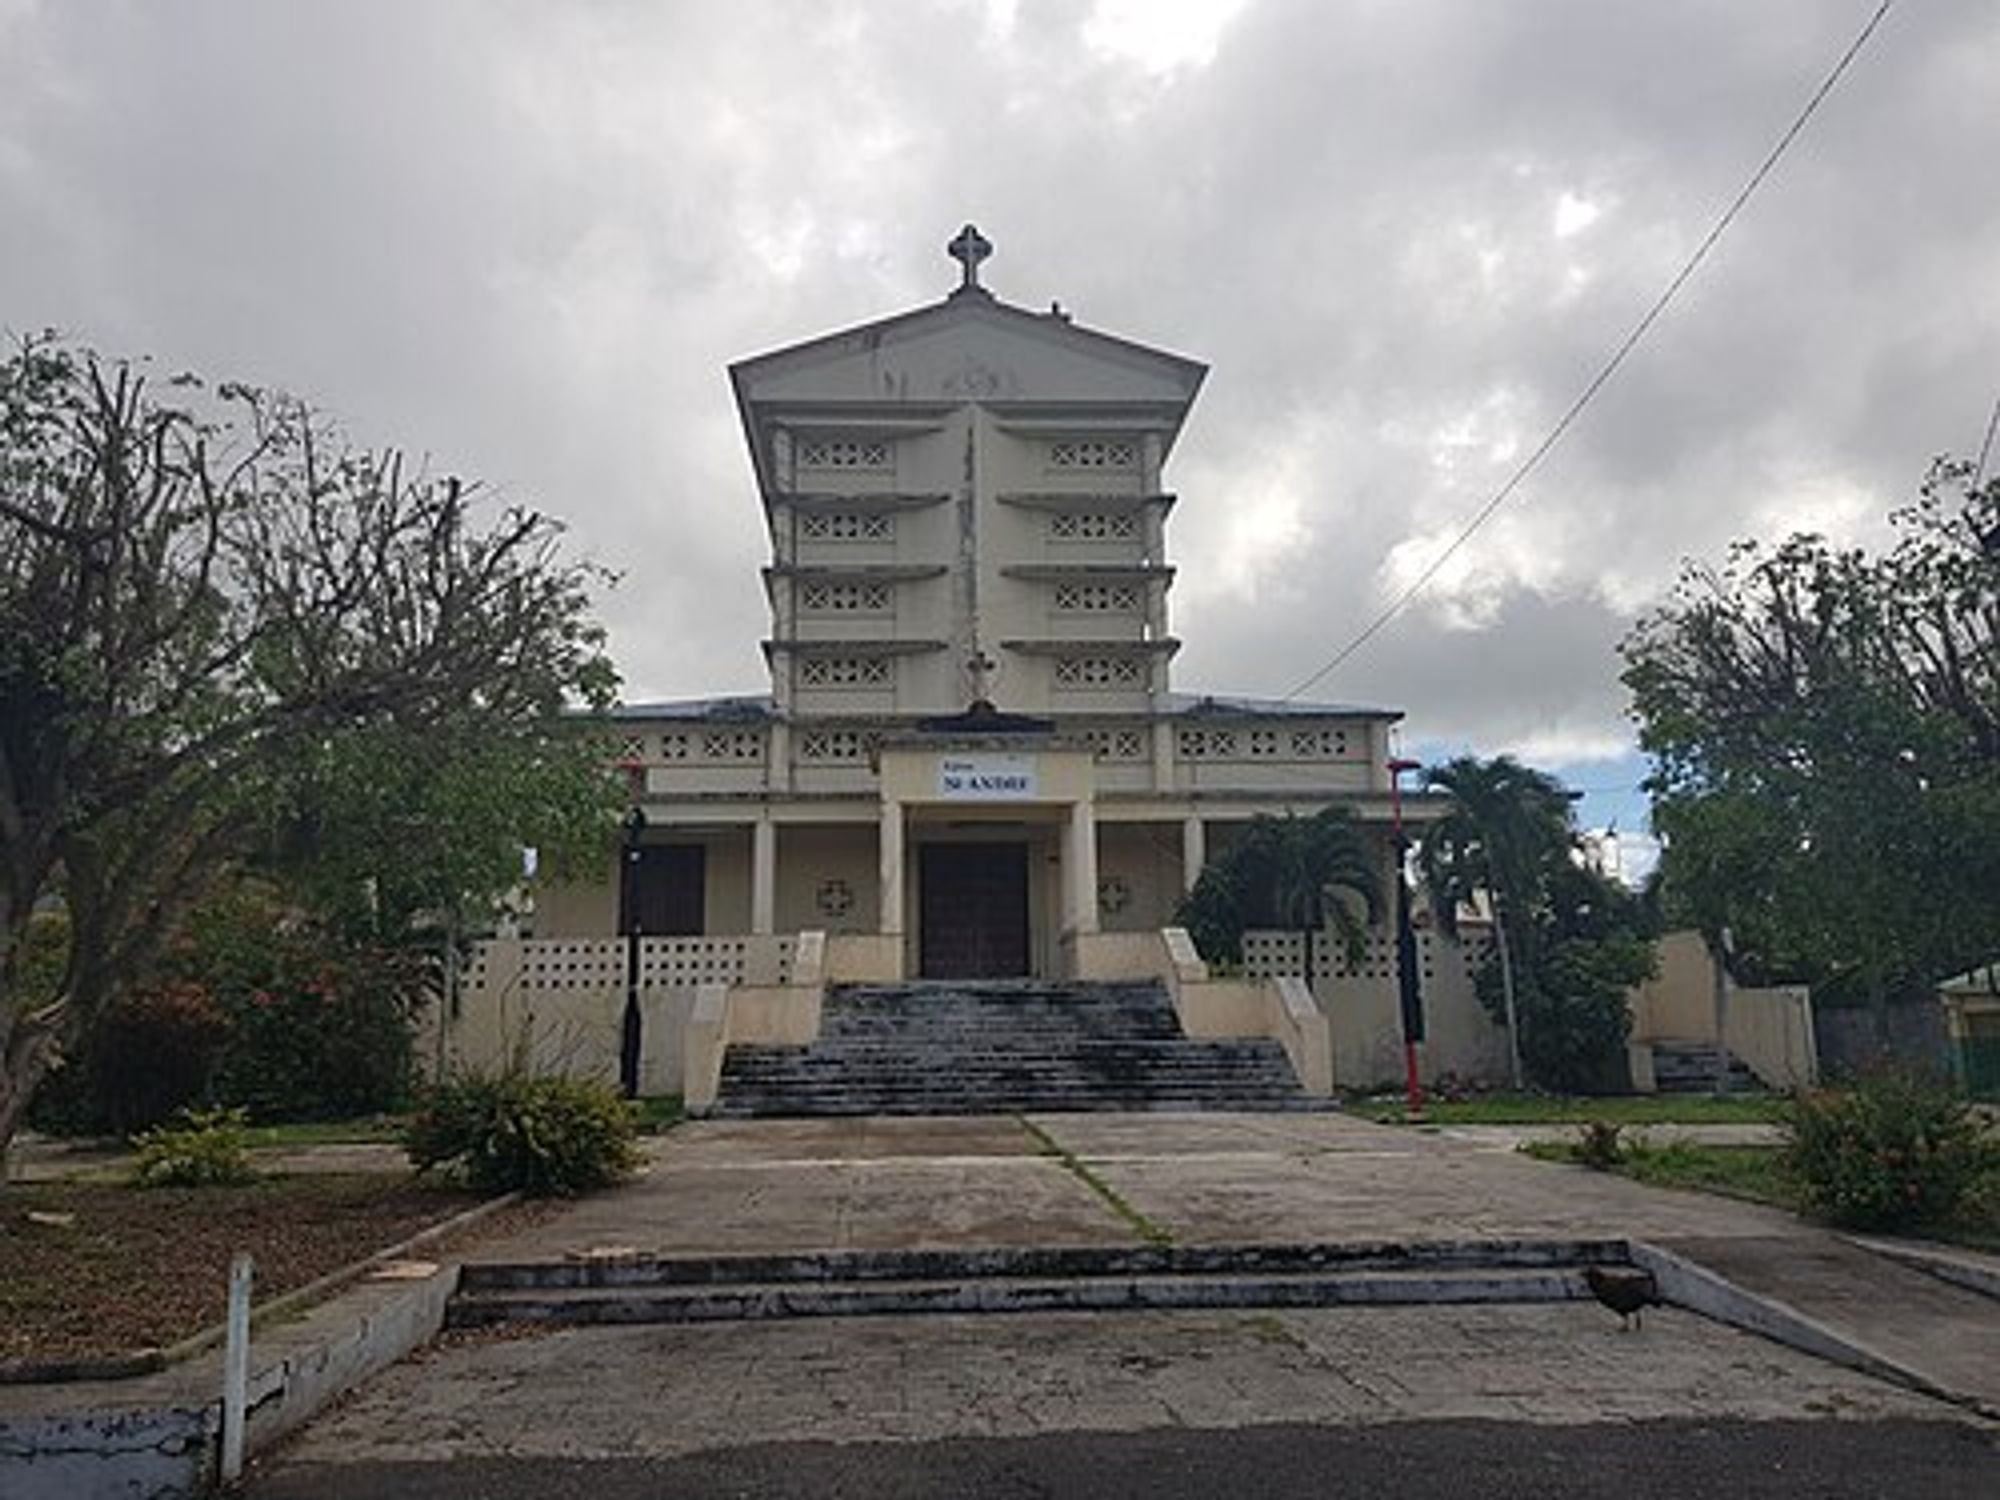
[971, 760]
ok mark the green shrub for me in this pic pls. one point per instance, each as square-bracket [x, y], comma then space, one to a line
[548, 1137]
[1600, 1144]
[204, 1150]
[1894, 1150]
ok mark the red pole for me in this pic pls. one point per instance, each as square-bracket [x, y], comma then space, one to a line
[1413, 1089]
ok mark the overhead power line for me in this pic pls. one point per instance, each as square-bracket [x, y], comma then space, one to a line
[1610, 366]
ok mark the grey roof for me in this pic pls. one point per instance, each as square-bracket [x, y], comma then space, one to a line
[751, 707]
[1221, 703]
[739, 706]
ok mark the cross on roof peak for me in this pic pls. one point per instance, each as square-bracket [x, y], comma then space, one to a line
[969, 248]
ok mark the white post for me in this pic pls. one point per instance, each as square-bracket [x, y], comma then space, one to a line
[1194, 850]
[892, 869]
[763, 875]
[1082, 859]
[235, 1369]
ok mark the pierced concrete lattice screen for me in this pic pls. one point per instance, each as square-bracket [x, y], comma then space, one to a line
[678, 746]
[1206, 744]
[845, 453]
[1086, 672]
[1277, 955]
[1093, 526]
[847, 526]
[1260, 744]
[734, 745]
[1117, 744]
[566, 965]
[1319, 744]
[836, 746]
[846, 672]
[679, 962]
[1094, 454]
[845, 598]
[561, 964]
[1097, 598]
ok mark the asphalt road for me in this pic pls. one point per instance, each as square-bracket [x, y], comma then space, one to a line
[1663, 1460]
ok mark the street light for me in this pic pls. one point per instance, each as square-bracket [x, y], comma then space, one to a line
[1409, 977]
[630, 832]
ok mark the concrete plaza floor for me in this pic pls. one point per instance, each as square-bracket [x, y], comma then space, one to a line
[620, 1393]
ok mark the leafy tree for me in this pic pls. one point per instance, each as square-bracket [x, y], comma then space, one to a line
[203, 592]
[1568, 943]
[1825, 725]
[1507, 827]
[1299, 874]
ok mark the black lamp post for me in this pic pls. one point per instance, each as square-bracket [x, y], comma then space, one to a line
[630, 832]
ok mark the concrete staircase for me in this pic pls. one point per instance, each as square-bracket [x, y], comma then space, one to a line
[995, 1047]
[706, 1288]
[1689, 1068]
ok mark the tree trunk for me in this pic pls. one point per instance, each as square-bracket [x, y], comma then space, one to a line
[1720, 970]
[27, 1064]
[1507, 995]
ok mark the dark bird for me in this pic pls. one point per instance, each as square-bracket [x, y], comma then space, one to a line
[1626, 1290]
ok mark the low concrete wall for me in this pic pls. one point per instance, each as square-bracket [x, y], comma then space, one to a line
[784, 1015]
[1770, 1029]
[864, 958]
[1110, 957]
[1214, 1009]
[158, 1436]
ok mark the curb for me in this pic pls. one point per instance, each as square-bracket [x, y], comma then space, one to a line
[1684, 1283]
[140, 1362]
[1982, 1276]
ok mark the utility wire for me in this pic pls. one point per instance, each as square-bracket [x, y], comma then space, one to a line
[1986, 447]
[1610, 367]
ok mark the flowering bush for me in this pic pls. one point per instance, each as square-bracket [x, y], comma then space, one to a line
[328, 1034]
[154, 1051]
[1893, 1150]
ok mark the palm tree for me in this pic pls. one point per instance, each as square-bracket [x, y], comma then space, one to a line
[1291, 873]
[1506, 824]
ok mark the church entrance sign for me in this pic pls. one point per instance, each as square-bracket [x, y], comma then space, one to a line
[986, 778]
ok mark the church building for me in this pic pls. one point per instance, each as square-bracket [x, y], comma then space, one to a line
[971, 761]
[971, 751]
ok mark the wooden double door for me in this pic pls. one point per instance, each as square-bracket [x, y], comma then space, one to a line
[972, 911]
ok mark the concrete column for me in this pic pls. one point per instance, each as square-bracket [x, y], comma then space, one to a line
[763, 875]
[891, 848]
[1080, 858]
[1194, 850]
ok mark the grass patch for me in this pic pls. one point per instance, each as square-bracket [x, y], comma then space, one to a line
[1755, 1173]
[1055, 1150]
[659, 1113]
[1758, 1174]
[1553, 1109]
[366, 1130]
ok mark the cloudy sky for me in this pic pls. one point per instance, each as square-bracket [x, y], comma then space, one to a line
[526, 238]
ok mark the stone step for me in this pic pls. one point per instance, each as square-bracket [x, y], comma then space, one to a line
[706, 1289]
[638, 1268]
[791, 1106]
[1103, 1294]
[955, 1049]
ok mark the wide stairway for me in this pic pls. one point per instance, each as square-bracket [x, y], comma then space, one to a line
[987, 1047]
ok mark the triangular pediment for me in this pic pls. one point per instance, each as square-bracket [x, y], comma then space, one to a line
[969, 347]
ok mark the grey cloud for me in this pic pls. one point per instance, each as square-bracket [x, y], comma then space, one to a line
[527, 238]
